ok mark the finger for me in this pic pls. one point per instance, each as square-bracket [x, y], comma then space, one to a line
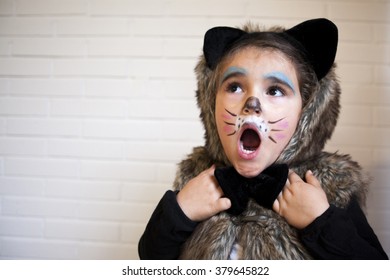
[288, 183]
[210, 170]
[222, 204]
[311, 179]
[294, 177]
[276, 206]
[280, 195]
[210, 173]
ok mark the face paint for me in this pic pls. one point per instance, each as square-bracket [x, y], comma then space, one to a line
[280, 136]
[257, 122]
[232, 71]
[280, 77]
[279, 127]
[229, 126]
[253, 138]
[282, 124]
[273, 122]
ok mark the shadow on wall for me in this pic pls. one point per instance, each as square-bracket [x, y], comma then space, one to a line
[377, 203]
[378, 210]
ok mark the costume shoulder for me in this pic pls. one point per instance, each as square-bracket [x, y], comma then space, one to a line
[340, 177]
[196, 162]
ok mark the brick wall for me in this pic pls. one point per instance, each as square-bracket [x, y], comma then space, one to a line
[97, 107]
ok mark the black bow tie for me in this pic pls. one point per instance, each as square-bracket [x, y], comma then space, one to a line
[264, 188]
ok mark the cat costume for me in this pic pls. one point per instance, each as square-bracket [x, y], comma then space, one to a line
[250, 229]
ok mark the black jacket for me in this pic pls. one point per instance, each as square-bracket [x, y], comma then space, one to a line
[336, 234]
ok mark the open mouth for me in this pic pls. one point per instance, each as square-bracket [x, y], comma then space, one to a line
[249, 142]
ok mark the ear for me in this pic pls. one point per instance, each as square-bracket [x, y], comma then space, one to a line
[319, 38]
[216, 41]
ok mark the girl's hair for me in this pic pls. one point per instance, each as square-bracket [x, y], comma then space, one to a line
[307, 78]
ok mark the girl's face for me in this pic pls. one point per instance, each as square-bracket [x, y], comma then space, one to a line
[258, 106]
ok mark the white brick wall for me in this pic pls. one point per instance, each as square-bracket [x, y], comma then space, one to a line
[97, 107]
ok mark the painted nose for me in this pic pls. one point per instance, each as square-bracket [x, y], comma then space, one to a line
[252, 106]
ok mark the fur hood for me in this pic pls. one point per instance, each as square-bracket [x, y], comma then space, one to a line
[262, 233]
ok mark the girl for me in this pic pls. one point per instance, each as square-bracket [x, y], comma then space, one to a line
[261, 187]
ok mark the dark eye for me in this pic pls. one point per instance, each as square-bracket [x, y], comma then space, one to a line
[234, 88]
[276, 91]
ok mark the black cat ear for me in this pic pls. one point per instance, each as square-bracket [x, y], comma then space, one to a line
[319, 38]
[216, 41]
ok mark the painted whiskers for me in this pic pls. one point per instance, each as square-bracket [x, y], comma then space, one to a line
[235, 122]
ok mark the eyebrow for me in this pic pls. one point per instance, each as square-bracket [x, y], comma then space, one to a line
[233, 71]
[280, 77]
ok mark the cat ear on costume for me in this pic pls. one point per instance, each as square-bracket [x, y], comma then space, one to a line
[317, 38]
[217, 40]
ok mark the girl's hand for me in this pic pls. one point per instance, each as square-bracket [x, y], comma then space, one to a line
[301, 203]
[202, 197]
